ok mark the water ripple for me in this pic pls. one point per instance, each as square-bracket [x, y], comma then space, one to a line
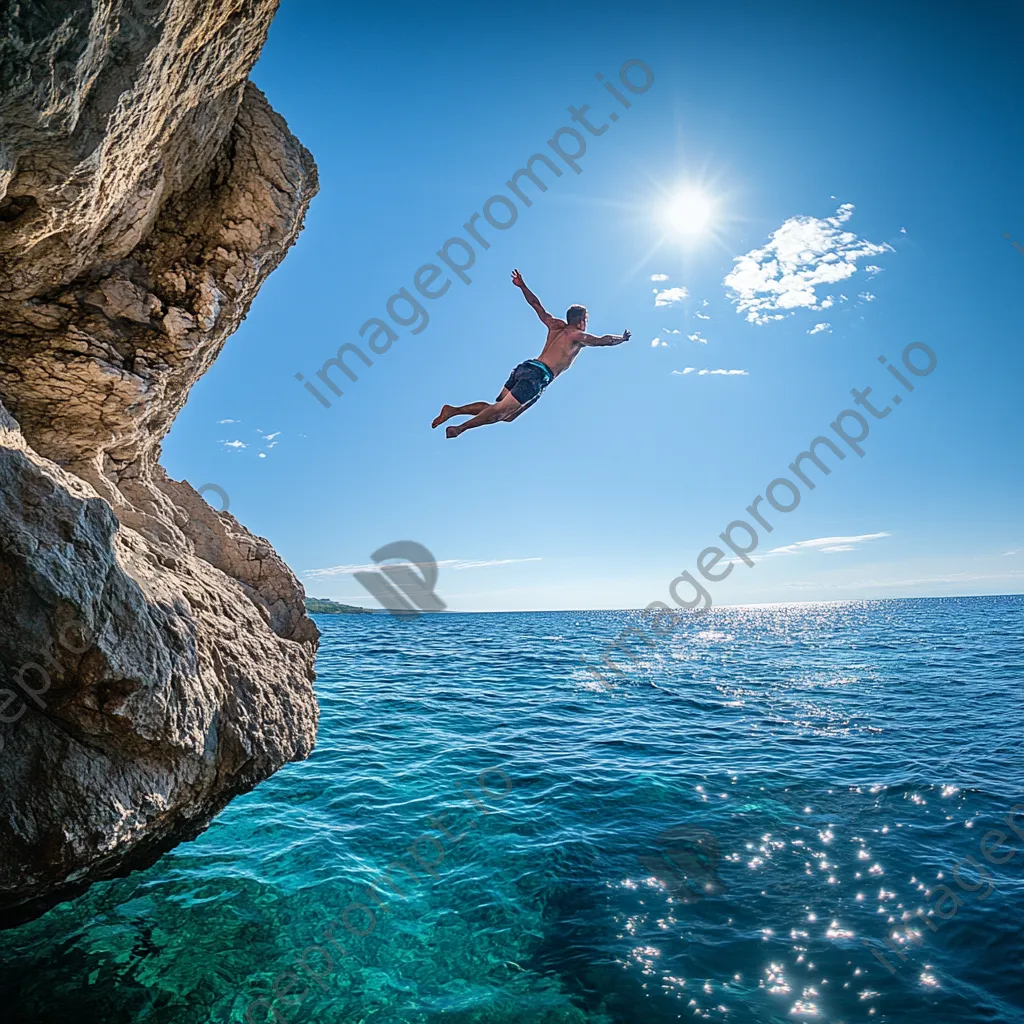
[775, 830]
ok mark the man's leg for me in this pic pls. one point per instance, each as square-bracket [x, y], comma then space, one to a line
[473, 409]
[504, 409]
[448, 411]
[519, 412]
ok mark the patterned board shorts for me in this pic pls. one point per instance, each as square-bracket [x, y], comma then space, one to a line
[528, 380]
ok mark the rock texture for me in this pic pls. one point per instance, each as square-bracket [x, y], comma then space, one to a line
[156, 658]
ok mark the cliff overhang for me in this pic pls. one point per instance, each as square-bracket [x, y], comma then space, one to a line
[156, 657]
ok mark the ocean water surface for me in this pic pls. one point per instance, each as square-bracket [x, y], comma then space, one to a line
[486, 835]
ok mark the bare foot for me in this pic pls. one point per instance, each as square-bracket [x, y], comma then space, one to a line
[446, 413]
[452, 431]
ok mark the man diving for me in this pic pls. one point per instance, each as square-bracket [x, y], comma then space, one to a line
[527, 381]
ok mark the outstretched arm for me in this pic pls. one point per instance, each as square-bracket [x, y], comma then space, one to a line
[603, 339]
[546, 318]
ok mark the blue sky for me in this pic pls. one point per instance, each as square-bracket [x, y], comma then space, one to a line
[844, 137]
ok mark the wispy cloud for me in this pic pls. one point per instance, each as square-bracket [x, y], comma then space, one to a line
[953, 579]
[659, 277]
[1015, 551]
[956, 577]
[702, 316]
[818, 328]
[228, 421]
[656, 342]
[670, 330]
[262, 443]
[668, 296]
[828, 545]
[696, 336]
[805, 253]
[448, 563]
[714, 373]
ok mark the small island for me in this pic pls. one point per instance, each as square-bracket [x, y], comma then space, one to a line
[325, 606]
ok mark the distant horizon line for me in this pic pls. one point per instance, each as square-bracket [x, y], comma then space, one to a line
[745, 604]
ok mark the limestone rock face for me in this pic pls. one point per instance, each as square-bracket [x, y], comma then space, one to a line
[155, 657]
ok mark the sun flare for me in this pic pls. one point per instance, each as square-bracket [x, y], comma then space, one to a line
[689, 212]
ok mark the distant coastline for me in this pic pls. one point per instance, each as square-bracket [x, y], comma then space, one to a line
[324, 606]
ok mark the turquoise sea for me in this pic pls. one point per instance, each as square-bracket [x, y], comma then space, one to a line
[486, 835]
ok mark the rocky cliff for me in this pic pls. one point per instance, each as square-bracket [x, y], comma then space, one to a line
[156, 657]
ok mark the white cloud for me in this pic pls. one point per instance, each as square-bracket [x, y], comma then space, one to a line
[818, 328]
[666, 330]
[955, 578]
[702, 316]
[263, 443]
[1015, 551]
[872, 269]
[669, 296]
[802, 255]
[659, 277]
[459, 563]
[655, 342]
[697, 338]
[828, 544]
[704, 302]
[229, 421]
[866, 296]
[706, 372]
[448, 563]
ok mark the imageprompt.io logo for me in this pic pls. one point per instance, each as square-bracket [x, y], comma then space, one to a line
[686, 863]
[400, 589]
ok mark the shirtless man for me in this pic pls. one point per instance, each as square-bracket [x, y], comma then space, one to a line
[529, 379]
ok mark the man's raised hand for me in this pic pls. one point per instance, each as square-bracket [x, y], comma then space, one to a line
[517, 279]
[626, 335]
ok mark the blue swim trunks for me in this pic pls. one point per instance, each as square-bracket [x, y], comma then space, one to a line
[527, 381]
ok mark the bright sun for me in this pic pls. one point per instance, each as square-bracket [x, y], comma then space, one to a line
[689, 212]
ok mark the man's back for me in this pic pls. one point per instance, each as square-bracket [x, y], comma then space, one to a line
[565, 337]
[562, 346]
